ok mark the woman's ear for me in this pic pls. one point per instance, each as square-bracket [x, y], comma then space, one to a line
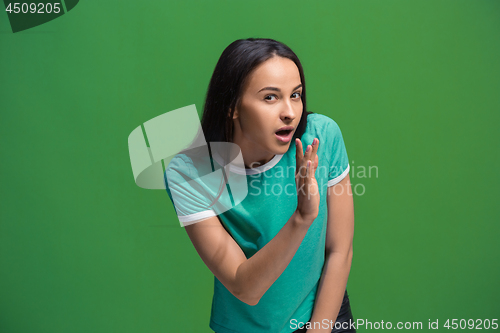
[235, 113]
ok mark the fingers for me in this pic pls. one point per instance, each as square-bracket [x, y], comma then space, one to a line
[298, 153]
[315, 145]
[302, 159]
[315, 163]
[309, 171]
[311, 152]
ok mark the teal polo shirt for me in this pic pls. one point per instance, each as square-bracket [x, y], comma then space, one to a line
[270, 201]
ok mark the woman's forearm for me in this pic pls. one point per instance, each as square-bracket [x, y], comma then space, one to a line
[255, 275]
[330, 291]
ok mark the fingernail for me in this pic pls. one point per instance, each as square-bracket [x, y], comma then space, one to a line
[314, 141]
[308, 149]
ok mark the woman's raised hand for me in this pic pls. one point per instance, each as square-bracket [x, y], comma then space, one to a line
[307, 186]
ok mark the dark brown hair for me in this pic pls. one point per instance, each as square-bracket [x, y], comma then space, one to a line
[226, 85]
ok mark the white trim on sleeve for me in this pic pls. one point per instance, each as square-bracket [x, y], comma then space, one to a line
[193, 218]
[337, 179]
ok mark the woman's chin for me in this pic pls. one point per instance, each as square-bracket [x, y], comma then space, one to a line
[282, 149]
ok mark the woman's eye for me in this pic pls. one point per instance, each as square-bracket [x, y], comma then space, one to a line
[270, 97]
[296, 95]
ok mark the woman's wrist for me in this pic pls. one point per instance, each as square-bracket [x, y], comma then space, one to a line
[301, 221]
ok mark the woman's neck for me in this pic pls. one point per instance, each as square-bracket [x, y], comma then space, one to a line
[254, 157]
[254, 163]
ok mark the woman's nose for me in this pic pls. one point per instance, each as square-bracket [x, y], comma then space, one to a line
[288, 112]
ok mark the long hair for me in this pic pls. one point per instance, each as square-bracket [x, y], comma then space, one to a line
[228, 79]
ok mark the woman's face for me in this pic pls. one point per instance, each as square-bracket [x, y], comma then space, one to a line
[269, 111]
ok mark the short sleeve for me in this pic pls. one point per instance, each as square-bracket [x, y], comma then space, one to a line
[187, 192]
[338, 160]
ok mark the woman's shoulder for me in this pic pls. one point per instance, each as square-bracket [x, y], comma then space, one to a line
[321, 126]
[180, 162]
[190, 163]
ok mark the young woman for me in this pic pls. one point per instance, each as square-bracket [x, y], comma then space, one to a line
[281, 257]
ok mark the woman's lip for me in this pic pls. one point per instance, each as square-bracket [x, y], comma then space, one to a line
[287, 128]
[284, 137]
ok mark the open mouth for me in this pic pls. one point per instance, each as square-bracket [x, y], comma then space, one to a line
[285, 134]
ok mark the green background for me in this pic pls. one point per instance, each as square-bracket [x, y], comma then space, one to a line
[414, 86]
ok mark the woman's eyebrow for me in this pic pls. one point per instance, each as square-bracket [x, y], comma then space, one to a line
[278, 89]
